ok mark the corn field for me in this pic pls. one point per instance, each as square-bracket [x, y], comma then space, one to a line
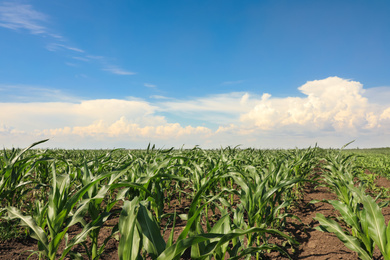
[161, 204]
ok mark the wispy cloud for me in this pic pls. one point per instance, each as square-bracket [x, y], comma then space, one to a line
[71, 64]
[17, 16]
[81, 76]
[95, 57]
[216, 109]
[119, 71]
[80, 58]
[159, 97]
[28, 94]
[57, 46]
[148, 85]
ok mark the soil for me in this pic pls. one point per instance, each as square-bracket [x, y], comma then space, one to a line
[314, 244]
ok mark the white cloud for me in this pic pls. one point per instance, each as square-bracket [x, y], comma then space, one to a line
[80, 58]
[235, 102]
[57, 46]
[25, 93]
[95, 57]
[126, 129]
[94, 120]
[118, 71]
[17, 16]
[148, 85]
[218, 109]
[36, 116]
[159, 97]
[333, 112]
[332, 104]
[71, 64]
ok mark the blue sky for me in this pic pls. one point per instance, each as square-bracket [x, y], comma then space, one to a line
[264, 74]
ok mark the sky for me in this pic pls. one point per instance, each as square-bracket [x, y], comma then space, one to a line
[261, 74]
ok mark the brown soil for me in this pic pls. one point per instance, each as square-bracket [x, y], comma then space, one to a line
[314, 244]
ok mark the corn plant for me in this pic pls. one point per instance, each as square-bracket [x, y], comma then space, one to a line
[141, 235]
[147, 180]
[339, 175]
[358, 210]
[356, 237]
[49, 226]
[262, 192]
[367, 225]
[99, 207]
[15, 174]
[374, 223]
[301, 163]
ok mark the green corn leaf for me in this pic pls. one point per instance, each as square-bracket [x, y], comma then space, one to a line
[388, 239]
[221, 227]
[329, 225]
[376, 223]
[78, 215]
[28, 221]
[129, 244]
[177, 249]
[346, 212]
[170, 239]
[82, 236]
[237, 233]
[151, 230]
[131, 185]
[365, 234]
[53, 246]
[25, 149]
[220, 239]
[190, 222]
[71, 202]
[359, 225]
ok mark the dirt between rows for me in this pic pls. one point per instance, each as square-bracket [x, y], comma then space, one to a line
[314, 244]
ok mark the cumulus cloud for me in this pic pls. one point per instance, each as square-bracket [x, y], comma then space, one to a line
[45, 115]
[126, 129]
[95, 120]
[333, 104]
[332, 112]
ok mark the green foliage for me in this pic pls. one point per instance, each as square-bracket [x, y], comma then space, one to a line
[359, 211]
[15, 170]
[49, 225]
[83, 188]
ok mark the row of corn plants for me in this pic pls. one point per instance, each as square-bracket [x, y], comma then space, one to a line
[239, 199]
[361, 225]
